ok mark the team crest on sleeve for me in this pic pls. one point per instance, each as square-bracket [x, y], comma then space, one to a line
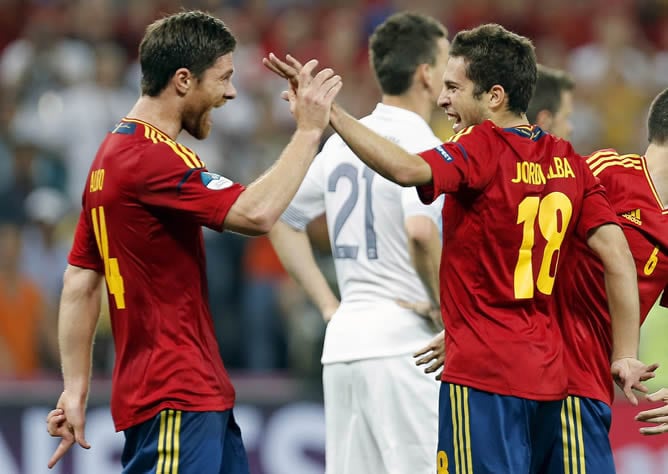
[446, 156]
[215, 181]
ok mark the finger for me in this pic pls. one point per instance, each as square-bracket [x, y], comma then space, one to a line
[434, 367]
[281, 65]
[60, 451]
[654, 430]
[421, 352]
[285, 95]
[293, 62]
[658, 396]
[269, 65]
[657, 420]
[629, 394]
[320, 78]
[426, 359]
[652, 367]
[653, 413]
[331, 93]
[54, 424]
[54, 412]
[439, 376]
[306, 73]
[647, 376]
[640, 387]
[404, 304]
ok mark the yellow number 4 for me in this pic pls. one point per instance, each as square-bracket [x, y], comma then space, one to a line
[553, 231]
[111, 271]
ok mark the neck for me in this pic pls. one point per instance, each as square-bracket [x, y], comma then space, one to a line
[411, 101]
[657, 165]
[507, 119]
[162, 113]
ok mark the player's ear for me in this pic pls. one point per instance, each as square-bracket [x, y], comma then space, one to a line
[422, 76]
[497, 97]
[182, 80]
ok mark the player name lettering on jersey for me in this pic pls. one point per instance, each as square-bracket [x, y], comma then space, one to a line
[96, 180]
[532, 173]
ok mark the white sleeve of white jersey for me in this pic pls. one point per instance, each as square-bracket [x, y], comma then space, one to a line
[309, 202]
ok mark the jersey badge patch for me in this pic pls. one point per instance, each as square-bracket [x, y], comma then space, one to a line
[125, 128]
[633, 216]
[446, 156]
[215, 181]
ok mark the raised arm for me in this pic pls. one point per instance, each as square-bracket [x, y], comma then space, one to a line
[380, 154]
[294, 250]
[263, 201]
[621, 286]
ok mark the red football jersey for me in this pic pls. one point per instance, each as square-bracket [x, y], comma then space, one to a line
[145, 201]
[583, 306]
[514, 197]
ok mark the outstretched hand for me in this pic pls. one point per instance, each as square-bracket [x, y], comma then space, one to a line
[658, 416]
[310, 96]
[432, 354]
[629, 373]
[67, 422]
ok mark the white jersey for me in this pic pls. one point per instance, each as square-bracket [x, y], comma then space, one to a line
[366, 215]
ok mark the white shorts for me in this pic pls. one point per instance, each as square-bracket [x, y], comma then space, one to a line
[381, 417]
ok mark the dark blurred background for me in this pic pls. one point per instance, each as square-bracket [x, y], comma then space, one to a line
[68, 72]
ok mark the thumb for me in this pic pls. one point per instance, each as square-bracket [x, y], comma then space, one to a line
[656, 396]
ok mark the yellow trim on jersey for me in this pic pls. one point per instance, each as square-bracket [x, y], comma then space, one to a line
[461, 428]
[651, 185]
[599, 161]
[188, 156]
[571, 437]
[461, 133]
[161, 440]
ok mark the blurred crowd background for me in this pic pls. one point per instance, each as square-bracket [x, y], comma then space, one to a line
[69, 72]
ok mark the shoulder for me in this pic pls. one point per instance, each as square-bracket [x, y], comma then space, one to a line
[609, 161]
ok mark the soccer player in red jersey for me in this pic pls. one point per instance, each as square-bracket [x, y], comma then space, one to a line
[514, 196]
[144, 205]
[637, 187]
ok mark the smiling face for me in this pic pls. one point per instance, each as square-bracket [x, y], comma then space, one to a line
[213, 89]
[457, 98]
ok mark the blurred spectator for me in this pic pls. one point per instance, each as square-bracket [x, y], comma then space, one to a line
[25, 329]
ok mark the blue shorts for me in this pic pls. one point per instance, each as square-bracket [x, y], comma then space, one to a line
[181, 442]
[508, 435]
[582, 442]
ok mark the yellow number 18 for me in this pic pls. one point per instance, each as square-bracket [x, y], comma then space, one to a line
[111, 271]
[553, 231]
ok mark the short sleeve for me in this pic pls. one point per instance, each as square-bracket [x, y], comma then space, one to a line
[84, 252]
[309, 202]
[464, 163]
[167, 180]
[596, 208]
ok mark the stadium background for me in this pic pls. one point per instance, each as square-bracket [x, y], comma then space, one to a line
[68, 71]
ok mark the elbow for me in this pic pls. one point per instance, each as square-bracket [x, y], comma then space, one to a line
[261, 223]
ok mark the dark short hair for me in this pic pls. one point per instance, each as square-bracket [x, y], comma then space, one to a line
[399, 45]
[191, 39]
[494, 56]
[657, 121]
[550, 84]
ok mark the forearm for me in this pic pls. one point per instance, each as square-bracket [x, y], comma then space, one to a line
[425, 255]
[621, 287]
[383, 156]
[294, 250]
[262, 203]
[78, 316]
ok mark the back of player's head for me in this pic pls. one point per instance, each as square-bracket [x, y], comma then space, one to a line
[496, 56]
[550, 85]
[399, 45]
[657, 121]
[192, 40]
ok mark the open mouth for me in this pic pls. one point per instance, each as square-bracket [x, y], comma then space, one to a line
[456, 120]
